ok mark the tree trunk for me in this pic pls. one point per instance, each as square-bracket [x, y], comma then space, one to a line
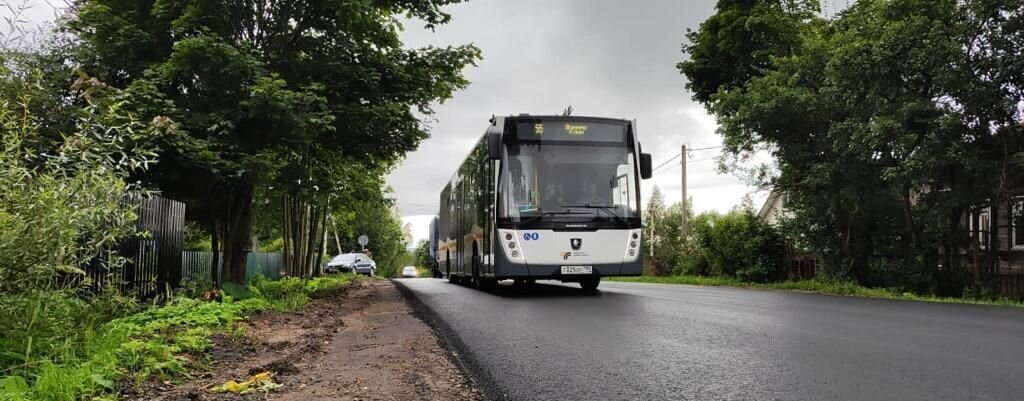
[337, 240]
[322, 251]
[286, 234]
[237, 233]
[991, 265]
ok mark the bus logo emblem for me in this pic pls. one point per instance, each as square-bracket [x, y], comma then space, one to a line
[576, 243]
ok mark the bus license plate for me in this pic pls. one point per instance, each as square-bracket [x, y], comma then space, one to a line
[577, 269]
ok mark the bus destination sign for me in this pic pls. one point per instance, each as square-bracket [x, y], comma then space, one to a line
[571, 131]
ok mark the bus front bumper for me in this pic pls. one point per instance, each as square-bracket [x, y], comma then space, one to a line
[554, 272]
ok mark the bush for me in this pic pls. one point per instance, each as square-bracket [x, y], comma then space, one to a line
[736, 244]
[59, 347]
[61, 210]
[286, 293]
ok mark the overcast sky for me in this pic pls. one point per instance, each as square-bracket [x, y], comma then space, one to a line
[605, 57]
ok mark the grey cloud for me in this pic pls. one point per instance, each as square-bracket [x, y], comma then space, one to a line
[605, 57]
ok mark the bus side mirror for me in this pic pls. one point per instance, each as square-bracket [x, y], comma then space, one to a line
[494, 143]
[645, 166]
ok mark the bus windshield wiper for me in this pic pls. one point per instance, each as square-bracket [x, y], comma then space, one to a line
[603, 208]
[548, 213]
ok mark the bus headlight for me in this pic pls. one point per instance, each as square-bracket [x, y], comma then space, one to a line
[632, 245]
[512, 250]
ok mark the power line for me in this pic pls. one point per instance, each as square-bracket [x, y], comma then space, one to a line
[701, 160]
[680, 154]
[669, 168]
[707, 148]
[666, 161]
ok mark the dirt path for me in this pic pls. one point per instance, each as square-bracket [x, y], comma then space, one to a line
[361, 344]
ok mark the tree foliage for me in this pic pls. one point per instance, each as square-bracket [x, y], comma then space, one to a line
[887, 124]
[739, 42]
[663, 233]
[282, 94]
[423, 259]
[736, 244]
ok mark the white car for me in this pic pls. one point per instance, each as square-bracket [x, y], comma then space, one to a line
[409, 271]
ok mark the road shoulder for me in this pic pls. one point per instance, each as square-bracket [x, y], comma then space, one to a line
[458, 351]
[363, 343]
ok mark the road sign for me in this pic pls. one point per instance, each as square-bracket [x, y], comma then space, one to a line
[363, 240]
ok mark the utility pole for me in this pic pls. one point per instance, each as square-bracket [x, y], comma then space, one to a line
[682, 163]
[653, 220]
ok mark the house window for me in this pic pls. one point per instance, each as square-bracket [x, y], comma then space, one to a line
[980, 224]
[1017, 215]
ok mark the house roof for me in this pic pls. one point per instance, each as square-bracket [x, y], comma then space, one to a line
[769, 204]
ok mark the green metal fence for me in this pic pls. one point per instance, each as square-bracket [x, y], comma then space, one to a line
[195, 266]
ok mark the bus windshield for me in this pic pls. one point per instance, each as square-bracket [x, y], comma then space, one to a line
[569, 181]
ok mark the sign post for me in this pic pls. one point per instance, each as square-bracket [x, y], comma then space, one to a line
[363, 240]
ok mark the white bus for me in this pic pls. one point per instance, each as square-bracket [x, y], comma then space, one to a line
[545, 197]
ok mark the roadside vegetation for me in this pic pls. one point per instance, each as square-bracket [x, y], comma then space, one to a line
[736, 249]
[845, 288]
[274, 142]
[59, 346]
[892, 128]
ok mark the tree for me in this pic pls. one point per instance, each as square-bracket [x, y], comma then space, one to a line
[746, 204]
[740, 40]
[884, 129]
[376, 217]
[664, 235]
[423, 259]
[278, 93]
[407, 232]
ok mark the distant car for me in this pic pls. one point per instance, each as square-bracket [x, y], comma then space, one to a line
[409, 271]
[352, 262]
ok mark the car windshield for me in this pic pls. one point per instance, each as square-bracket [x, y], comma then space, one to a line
[345, 258]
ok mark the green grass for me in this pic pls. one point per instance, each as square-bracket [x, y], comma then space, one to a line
[61, 348]
[815, 286]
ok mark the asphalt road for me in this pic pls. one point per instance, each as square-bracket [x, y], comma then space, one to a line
[666, 342]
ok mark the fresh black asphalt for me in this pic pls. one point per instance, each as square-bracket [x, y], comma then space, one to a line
[665, 342]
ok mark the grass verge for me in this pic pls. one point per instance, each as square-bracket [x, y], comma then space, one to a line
[816, 286]
[57, 347]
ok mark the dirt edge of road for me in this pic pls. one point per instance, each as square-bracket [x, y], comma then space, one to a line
[457, 350]
[362, 343]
